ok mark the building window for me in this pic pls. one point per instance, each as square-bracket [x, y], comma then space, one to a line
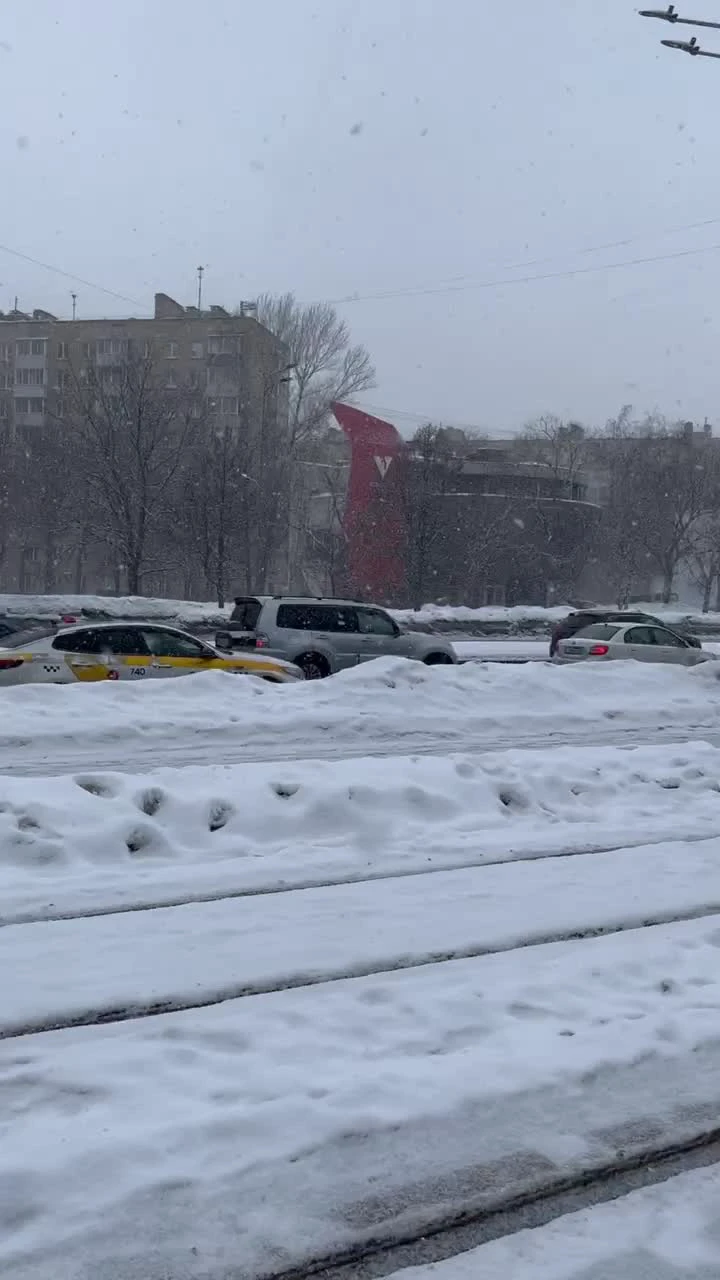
[37, 346]
[29, 404]
[228, 405]
[110, 346]
[63, 379]
[31, 554]
[147, 350]
[198, 351]
[221, 346]
[173, 350]
[171, 381]
[6, 380]
[87, 350]
[6, 351]
[22, 347]
[59, 408]
[29, 377]
[62, 350]
[4, 414]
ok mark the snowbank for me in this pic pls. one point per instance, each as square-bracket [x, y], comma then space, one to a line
[524, 617]
[49, 606]
[389, 698]
[111, 839]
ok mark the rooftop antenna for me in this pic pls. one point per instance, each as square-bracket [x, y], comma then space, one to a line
[200, 273]
[74, 301]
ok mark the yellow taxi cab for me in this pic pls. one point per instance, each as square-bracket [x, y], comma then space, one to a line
[124, 651]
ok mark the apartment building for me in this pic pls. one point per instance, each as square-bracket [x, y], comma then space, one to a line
[236, 368]
[235, 361]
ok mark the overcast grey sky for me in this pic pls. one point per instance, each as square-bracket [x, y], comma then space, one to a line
[339, 148]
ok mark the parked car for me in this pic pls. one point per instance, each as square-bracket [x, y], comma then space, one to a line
[322, 636]
[123, 651]
[586, 617]
[645, 642]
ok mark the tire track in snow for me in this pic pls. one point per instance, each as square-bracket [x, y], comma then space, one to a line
[212, 747]
[302, 885]
[476, 1222]
[130, 1011]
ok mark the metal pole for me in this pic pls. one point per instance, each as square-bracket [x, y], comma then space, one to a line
[685, 46]
[200, 272]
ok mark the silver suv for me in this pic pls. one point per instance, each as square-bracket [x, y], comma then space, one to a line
[323, 636]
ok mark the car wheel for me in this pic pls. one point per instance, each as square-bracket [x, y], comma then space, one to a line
[437, 660]
[313, 665]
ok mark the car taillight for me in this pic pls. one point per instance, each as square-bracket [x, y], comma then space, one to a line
[261, 641]
[7, 664]
[599, 650]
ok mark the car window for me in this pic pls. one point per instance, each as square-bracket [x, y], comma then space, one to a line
[317, 617]
[246, 614]
[172, 644]
[18, 639]
[121, 641]
[661, 636]
[639, 635]
[374, 623]
[78, 641]
[600, 631]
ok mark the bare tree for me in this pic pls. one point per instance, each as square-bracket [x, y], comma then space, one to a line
[326, 366]
[670, 496]
[215, 503]
[323, 366]
[702, 554]
[559, 529]
[129, 438]
[560, 448]
[431, 466]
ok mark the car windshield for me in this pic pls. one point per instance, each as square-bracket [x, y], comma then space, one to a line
[18, 639]
[246, 613]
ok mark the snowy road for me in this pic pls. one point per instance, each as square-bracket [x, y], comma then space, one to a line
[215, 747]
[500, 979]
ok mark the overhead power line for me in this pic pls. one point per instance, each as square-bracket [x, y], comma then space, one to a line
[58, 271]
[529, 279]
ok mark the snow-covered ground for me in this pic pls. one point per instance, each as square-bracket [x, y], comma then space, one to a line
[208, 613]
[275, 1128]
[517, 648]
[389, 705]
[94, 841]
[527, 615]
[58, 606]
[259, 1014]
[668, 1232]
[67, 971]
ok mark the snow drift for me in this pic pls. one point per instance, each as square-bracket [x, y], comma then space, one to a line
[99, 839]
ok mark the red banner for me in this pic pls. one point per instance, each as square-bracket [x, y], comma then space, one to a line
[374, 512]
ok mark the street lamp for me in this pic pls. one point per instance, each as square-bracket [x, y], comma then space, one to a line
[686, 46]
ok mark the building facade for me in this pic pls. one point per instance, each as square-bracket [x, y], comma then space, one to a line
[235, 367]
